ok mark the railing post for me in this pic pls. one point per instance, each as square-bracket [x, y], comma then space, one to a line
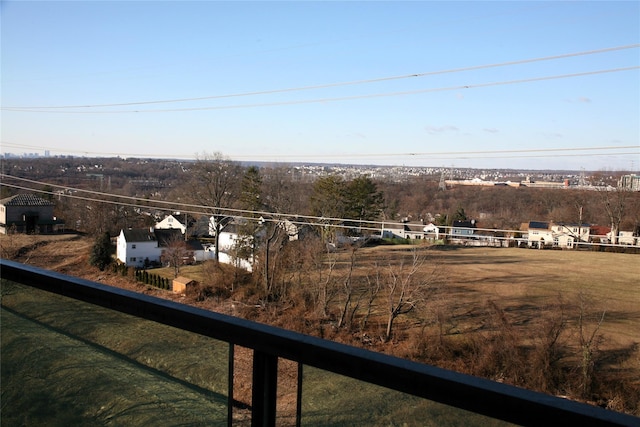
[230, 377]
[265, 385]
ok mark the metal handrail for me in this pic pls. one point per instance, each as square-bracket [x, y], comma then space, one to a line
[478, 395]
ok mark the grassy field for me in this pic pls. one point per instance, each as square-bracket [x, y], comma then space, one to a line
[522, 280]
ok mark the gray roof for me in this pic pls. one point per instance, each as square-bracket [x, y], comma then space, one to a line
[139, 235]
[163, 237]
[25, 200]
[539, 225]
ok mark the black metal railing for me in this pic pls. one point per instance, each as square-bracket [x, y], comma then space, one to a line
[270, 344]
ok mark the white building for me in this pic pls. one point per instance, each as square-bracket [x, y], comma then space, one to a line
[175, 221]
[137, 246]
[563, 235]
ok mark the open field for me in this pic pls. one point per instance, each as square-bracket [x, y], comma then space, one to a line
[522, 280]
[491, 299]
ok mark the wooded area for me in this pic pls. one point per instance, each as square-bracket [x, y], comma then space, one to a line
[285, 189]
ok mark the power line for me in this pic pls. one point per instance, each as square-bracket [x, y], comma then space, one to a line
[248, 215]
[484, 154]
[165, 205]
[335, 99]
[349, 83]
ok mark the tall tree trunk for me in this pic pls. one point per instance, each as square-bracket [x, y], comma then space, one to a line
[392, 317]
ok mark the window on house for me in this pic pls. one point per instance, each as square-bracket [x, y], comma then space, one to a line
[170, 220]
[132, 259]
[133, 246]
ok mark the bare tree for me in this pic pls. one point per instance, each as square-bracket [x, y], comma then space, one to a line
[277, 190]
[324, 263]
[347, 287]
[175, 252]
[213, 184]
[614, 201]
[272, 242]
[374, 284]
[408, 285]
[588, 345]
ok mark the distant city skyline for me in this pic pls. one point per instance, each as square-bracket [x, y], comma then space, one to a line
[519, 85]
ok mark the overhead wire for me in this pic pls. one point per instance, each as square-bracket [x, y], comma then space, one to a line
[172, 206]
[237, 214]
[334, 99]
[438, 155]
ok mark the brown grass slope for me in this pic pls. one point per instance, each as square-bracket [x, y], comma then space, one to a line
[496, 316]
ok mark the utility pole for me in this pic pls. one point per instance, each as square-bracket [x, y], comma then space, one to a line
[580, 226]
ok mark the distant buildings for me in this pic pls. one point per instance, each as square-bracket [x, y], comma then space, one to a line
[629, 182]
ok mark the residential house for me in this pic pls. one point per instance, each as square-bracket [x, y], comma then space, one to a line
[599, 233]
[539, 234]
[392, 230]
[198, 250]
[625, 237]
[177, 221]
[143, 247]
[463, 229]
[562, 235]
[567, 234]
[431, 231]
[135, 247]
[403, 230]
[229, 237]
[28, 213]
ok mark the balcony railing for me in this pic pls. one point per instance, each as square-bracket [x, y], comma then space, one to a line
[336, 384]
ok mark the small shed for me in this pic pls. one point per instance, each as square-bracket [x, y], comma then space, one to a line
[180, 284]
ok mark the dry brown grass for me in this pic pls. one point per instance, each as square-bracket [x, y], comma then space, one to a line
[495, 299]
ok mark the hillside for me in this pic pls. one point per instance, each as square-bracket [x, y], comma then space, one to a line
[489, 318]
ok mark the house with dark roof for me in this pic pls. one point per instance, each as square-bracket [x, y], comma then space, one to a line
[539, 234]
[463, 228]
[28, 213]
[142, 247]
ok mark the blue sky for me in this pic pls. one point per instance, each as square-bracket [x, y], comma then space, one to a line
[393, 83]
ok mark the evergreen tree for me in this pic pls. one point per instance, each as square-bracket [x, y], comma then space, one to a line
[328, 197]
[363, 200]
[101, 252]
[460, 214]
[251, 190]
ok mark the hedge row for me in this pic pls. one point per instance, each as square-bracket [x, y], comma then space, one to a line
[153, 279]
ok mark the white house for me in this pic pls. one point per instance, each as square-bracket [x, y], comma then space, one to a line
[539, 234]
[625, 238]
[135, 247]
[431, 231]
[229, 237]
[563, 235]
[141, 247]
[175, 221]
[577, 232]
[404, 230]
